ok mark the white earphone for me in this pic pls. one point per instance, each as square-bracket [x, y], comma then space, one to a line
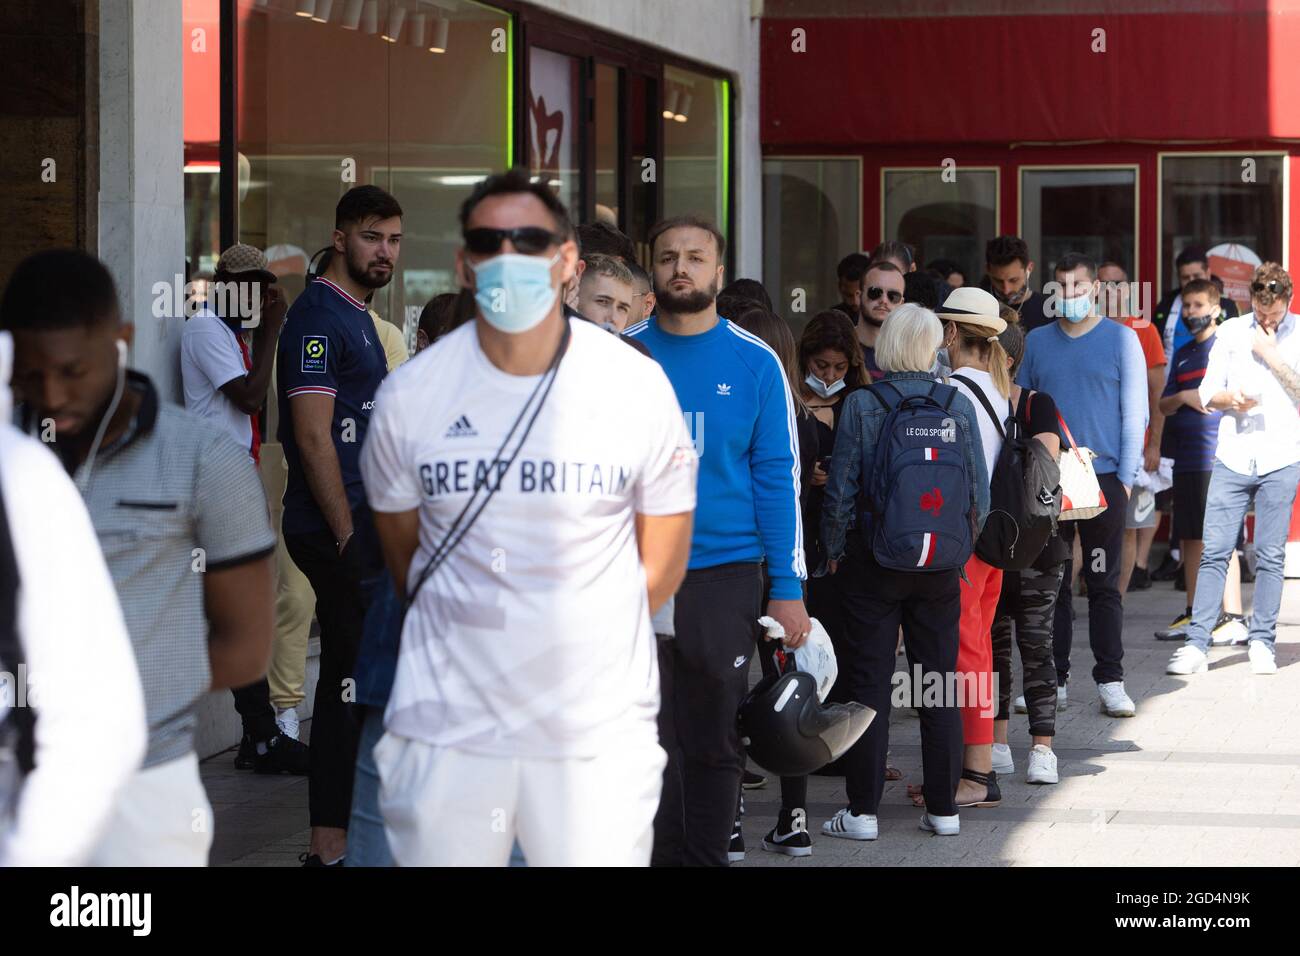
[121, 354]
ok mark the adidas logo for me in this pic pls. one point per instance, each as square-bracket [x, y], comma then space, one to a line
[724, 389]
[461, 428]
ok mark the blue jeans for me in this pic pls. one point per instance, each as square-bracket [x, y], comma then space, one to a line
[1225, 509]
[367, 842]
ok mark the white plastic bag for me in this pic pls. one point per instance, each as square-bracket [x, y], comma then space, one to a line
[816, 656]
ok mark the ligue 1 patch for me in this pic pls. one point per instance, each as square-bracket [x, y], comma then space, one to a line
[315, 350]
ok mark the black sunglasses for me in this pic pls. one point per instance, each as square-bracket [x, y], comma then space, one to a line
[529, 240]
[875, 292]
[1272, 285]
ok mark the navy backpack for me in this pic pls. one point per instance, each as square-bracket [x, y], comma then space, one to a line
[918, 496]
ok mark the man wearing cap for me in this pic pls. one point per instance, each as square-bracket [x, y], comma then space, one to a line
[223, 381]
[226, 383]
[1095, 371]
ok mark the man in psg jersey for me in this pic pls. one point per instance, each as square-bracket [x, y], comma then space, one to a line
[329, 366]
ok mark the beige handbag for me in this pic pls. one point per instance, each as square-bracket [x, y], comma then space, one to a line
[1081, 495]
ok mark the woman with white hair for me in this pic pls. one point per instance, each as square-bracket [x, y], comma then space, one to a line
[877, 599]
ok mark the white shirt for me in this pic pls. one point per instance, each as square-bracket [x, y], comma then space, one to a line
[990, 433]
[80, 669]
[1267, 437]
[533, 638]
[210, 357]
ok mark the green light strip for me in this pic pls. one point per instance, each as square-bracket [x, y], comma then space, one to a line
[726, 157]
[510, 92]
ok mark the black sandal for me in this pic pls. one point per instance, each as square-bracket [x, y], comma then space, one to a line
[992, 793]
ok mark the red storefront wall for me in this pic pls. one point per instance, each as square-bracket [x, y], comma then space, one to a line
[1008, 91]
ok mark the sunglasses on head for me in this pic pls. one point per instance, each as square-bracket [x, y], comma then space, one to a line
[1272, 285]
[529, 240]
[875, 292]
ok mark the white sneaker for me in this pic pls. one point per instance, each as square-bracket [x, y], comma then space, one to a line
[1188, 659]
[1042, 766]
[1002, 761]
[287, 721]
[1262, 658]
[941, 826]
[852, 826]
[1114, 702]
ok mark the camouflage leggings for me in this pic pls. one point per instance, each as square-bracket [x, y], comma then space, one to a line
[1028, 599]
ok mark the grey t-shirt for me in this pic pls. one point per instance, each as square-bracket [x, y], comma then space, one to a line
[175, 497]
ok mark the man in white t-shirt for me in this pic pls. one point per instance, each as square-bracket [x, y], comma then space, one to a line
[227, 382]
[222, 381]
[526, 694]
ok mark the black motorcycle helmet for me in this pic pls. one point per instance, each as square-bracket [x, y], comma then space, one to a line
[787, 731]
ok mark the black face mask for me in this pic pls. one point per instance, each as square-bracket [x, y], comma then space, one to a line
[1197, 324]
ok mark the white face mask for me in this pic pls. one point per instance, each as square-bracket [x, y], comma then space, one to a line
[821, 388]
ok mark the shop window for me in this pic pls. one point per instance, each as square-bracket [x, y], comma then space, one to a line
[201, 84]
[696, 142]
[412, 96]
[942, 213]
[811, 219]
[1231, 202]
[1087, 210]
[555, 124]
[608, 145]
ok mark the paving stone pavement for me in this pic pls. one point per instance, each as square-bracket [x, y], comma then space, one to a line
[1207, 773]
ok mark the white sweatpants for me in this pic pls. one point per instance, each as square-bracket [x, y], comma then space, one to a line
[447, 807]
[162, 819]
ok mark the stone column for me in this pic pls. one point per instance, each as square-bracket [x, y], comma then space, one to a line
[141, 170]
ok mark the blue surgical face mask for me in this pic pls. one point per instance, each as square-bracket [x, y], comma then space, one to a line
[821, 388]
[513, 291]
[1076, 309]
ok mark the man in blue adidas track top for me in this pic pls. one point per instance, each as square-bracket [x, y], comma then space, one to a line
[738, 409]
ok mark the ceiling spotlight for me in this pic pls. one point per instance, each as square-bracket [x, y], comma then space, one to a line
[438, 35]
[370, 19]
[323, 9]
[415, 33]
[395, 20]
[352, 14]
[670, 108]
[306, 8]
[684, 113]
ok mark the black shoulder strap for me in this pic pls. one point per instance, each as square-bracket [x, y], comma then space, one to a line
[948, 391]
[979, 393]
[880, 398]
[23, 719]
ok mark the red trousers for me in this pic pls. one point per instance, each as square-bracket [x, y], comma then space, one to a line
[976, 693]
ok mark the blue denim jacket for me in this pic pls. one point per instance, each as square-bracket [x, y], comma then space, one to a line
[855, 450]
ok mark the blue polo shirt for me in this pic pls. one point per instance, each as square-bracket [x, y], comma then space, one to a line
[328, 347]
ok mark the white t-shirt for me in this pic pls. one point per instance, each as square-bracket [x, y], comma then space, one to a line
[533, 638]
[210, 357]
[990, 434]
